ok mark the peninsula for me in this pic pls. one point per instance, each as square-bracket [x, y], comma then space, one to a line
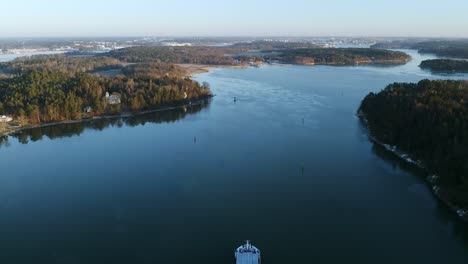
[51, 89]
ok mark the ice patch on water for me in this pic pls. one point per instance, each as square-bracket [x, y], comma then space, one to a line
[247, 90]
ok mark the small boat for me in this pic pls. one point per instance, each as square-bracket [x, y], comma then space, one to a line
[247, 254]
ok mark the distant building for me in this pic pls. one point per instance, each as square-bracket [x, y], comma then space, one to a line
[113, 99]
[5, 119]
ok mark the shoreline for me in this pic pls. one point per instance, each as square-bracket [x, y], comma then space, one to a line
[431, 180]
[99, 117]
[195, 69]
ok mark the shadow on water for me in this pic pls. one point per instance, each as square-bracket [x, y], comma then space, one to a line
[443, 214]
[76, 129]
[396, 162]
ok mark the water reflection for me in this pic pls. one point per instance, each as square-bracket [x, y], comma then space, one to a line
[445, 216]
[76, 129]
[396, 162]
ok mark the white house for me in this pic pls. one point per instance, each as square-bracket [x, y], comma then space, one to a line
[5, 119]
[113, 99]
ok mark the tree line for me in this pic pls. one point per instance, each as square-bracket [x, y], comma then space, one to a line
[173, 55]
[59, 63]
[46, 96]
[343, 56]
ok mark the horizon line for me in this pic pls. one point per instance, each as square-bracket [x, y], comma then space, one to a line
[231, 36]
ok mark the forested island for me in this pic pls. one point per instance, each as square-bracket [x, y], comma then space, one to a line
[445, 65]
[442, 48]
[339, 56]
[176, 55]
[207, 55]
[232, 55]
[429, 121]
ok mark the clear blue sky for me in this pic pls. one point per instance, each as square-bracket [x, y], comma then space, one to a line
[431, 18]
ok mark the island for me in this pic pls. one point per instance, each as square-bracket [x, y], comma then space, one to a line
[445, 65]
[442, 48]
[339, 56]
[426, 123]
[244, 55]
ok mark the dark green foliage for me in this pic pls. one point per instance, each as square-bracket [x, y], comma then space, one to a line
[429, 120]
[44, 96]
[445, 65]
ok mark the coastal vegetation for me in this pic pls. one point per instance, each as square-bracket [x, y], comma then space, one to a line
[153, 70]
[445, 65]
[339, 56]
[453, 49]
[173, 55]
[56, 88]
[443, 48]
[44, 96]
[214, 55]
[429, 121]
[294, 54]
[59, 63]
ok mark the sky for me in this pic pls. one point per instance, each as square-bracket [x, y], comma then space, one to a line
[66, 18]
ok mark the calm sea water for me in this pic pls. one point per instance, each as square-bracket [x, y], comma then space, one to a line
[288, 166]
